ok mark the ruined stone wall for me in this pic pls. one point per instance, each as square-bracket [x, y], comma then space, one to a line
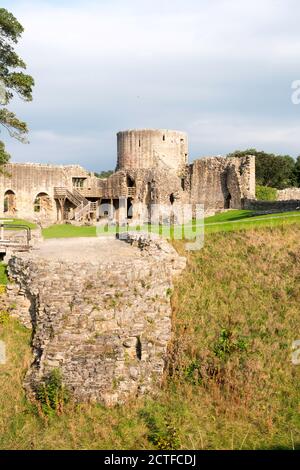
[221, 183]
[150, 187]
[288, 194]
[272, 206]
[106, 326]
[147, 148]
[27, 180]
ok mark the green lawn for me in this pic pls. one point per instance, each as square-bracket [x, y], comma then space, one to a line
[224, 222]
[69, 231]
[244, 220]
[19, 222]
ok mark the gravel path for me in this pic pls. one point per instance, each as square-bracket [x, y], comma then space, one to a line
[85, 249]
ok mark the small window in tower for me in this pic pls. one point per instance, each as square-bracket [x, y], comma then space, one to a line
[139, 142]
[182, 184]
[182, 140]
[164, 137]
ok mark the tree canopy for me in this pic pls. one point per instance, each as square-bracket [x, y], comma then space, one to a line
[13, 81]
[104, 174]
[297, 171]
[276, 171]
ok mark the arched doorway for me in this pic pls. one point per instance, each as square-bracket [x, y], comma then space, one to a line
[43, 205]
[10, 207]
[227, 201]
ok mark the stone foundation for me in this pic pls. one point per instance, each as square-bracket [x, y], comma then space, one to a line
[105, 325]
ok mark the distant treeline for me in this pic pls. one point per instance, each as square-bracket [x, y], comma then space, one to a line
[104, 174]
[275, 171]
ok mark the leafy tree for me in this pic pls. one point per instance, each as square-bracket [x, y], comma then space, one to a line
[104, 174]
[13, 81]
[297, 171]
[277, 171]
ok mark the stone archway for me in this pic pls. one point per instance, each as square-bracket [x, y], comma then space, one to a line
[43, 205]
[10, 206]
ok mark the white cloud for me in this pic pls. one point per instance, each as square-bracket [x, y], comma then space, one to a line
[101, 66]
[224, 136]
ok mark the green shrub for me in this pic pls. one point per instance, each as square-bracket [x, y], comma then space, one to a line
[264, 193]
[162, 434]
[52, 395]
[3, 274]
[227, 344]
[4, 317]
[193, 372]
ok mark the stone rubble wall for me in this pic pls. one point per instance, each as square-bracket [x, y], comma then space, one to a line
[272, 206]
[106, 326]
[288, 194]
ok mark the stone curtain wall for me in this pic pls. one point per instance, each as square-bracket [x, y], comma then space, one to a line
[106, 326]
[288, 194]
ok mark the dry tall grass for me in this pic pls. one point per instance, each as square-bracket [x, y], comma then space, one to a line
[231, 382]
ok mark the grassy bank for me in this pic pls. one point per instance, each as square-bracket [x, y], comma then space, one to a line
[230, 384]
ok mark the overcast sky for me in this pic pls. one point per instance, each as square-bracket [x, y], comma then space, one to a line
[220, 70]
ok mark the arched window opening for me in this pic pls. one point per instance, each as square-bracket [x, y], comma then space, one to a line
[9, 202]
[130, 182]
[43, 204]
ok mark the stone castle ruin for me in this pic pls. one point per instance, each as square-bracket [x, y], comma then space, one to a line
[152, 168]
[100, 308]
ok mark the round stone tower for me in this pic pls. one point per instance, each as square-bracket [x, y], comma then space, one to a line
[149, 148]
